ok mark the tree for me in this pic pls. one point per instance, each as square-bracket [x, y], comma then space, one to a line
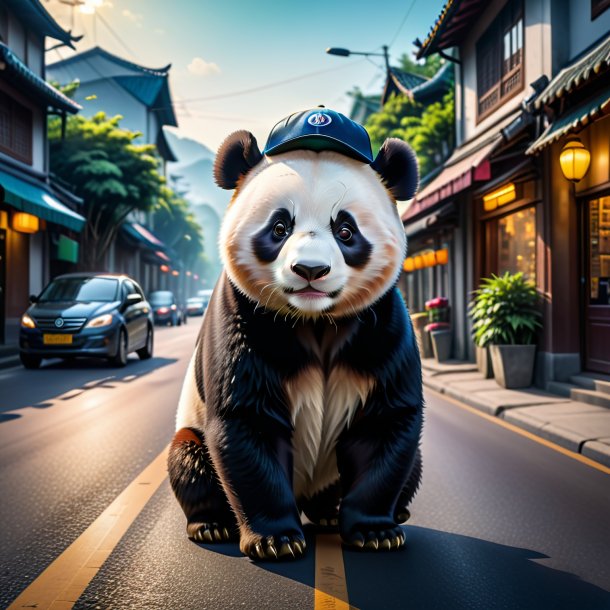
[114, 176]
[177, 227]
[430, 66]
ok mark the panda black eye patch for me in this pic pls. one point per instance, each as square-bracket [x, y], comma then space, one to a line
[268, 241]
[356, 249]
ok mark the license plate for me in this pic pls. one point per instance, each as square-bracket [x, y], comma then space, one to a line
[57, 339]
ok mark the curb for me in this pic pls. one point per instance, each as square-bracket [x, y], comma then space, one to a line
[593, 449]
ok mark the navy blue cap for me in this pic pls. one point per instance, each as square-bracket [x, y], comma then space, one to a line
[320, 129]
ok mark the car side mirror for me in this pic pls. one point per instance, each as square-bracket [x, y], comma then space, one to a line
[133, 298]
[33, 298]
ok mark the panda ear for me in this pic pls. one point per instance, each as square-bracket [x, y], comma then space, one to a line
[237, 155]
[396, 163]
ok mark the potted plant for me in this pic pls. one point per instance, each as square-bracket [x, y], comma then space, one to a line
[439, 327]
[506, 318]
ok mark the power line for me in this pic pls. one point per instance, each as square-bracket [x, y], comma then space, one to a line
[404, 19]
[261, 87]
[117, 37]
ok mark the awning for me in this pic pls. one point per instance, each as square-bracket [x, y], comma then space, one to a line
[143, 236]
[432, 221]
[573, 120]
[33, 198]
[458, 174]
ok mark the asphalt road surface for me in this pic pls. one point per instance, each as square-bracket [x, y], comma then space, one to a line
[501, 521]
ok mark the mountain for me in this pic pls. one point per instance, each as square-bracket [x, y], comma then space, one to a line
[186, 149]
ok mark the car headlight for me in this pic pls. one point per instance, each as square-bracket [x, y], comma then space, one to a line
[103, 320]
[27, 322]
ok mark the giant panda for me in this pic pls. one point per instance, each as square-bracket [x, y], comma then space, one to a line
[304, 392]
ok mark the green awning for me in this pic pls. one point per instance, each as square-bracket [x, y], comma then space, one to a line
[35, 199]
[573, 120]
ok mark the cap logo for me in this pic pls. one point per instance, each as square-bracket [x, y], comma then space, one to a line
[319, 119]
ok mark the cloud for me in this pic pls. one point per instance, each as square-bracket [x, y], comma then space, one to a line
[201, 67]
[134, 17]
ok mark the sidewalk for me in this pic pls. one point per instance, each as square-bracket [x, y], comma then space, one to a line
[9, 351]
[577, 426]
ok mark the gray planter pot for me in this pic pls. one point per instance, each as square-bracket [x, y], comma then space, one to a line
[441, 344]
[484, 362]
[513, 365]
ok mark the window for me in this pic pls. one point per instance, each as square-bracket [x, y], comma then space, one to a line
[500, 59]
[599, 251]
[598, 7]
[15, 129]
[517, 243]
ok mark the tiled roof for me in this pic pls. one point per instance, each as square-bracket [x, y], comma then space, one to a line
[573, 120]
[36, 18]
[26, 80]
[113, 58]
[456, 17]
[406, 81]
[579, 73]
[437, 86]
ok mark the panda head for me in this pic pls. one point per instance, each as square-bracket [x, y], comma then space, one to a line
[312, 228]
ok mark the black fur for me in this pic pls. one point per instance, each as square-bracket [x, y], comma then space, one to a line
[266, 244]
[237, 155]
[248, 354]
[357, 251]
[397, 165]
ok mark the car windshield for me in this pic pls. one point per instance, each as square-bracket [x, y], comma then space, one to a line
[80, 290]
[161, 298]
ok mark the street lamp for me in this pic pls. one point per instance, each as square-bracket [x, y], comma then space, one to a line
[346, 53]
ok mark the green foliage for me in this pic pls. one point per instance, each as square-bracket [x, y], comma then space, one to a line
[428, 130]
[177, 226]
[505, 311]
[114, 176]
[428, 68]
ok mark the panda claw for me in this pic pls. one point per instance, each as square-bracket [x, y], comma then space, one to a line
[323, 522]
[287, 551]
[299, 549]
[386, 544]
[372, 544]
[225, 533]
[207, 535]
[258, 548]
[217, 535]
[334, 522]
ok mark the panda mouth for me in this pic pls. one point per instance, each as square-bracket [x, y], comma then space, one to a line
[310, 291]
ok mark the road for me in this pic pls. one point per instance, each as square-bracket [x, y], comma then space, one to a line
[501, 521]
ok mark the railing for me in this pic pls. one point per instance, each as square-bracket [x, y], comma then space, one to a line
[510, 83]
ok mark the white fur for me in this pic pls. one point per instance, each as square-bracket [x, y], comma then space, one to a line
[191, 411]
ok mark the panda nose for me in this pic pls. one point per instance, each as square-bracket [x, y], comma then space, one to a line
[310, 270]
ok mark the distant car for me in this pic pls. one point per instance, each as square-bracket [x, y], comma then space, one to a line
[205, 295]
[98, 315]
[166, 309]
[195, 306]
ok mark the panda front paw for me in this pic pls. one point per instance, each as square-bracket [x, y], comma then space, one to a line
[387, 539]
[261, 548]
[210, 532]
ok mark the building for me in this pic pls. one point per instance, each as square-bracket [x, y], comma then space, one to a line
[39, 219]
[500, 202]
[142, 96]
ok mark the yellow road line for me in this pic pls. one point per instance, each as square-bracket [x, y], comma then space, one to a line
[64, 581]
[330, 583]
[61, 584]
[541, 441]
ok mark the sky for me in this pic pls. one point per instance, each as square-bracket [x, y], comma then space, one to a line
[239, 64]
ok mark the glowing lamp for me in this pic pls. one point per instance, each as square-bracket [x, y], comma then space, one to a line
[408, 265]
[25, 223]
[164, 268]
[442, 256]
[196, 277]
[3, 219]
[574, 160]
[418, 261]
[188, 274]
[175, 272]
[429, 259]
[499, 197]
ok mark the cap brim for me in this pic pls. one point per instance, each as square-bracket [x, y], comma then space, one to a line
[318, 143]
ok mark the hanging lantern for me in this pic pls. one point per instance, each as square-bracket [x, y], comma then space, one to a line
[442, 256]
[429, 258]
[418, 261]
[175, 272]
[574, 160]
[408, 265]
[25, 223]
[164, 268]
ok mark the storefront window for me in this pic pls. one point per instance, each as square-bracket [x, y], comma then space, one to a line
[517, 243]
[599, 251]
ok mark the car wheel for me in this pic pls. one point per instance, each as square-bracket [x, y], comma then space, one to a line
[29, 361]
[146, 352]
[120, 358]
